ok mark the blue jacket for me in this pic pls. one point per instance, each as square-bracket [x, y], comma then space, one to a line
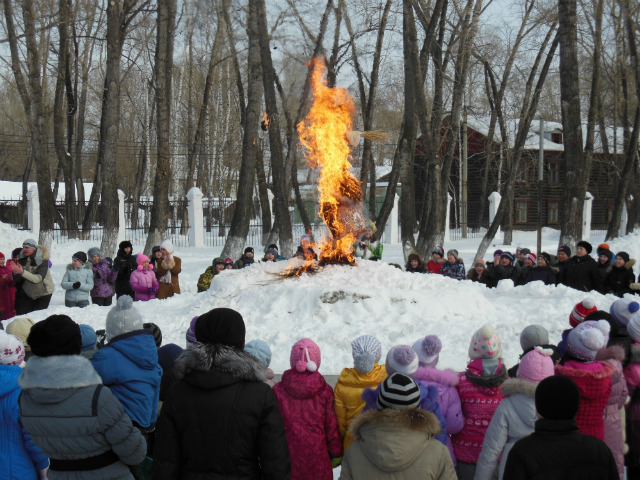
[129, 366]
[84, 275]
[20, 459]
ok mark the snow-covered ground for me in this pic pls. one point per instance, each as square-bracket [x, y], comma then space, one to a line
[340, 303]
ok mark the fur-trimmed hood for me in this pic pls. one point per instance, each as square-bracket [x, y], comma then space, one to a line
[478, 377]
[513, 386]
[393, 439]
[635, 353]
[614, 352]
[88, 266]
[213, 366]
[58, 372]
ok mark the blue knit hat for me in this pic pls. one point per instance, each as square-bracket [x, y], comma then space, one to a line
[366, 351]
[89, 338]
[259, 349]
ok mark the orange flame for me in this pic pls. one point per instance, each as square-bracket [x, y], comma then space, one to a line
[324, 134]
[265, 122]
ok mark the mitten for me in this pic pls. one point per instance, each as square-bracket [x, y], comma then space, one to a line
[151, 290]
[335, 462]
[100, 338]
[76, 285]
[635, 286]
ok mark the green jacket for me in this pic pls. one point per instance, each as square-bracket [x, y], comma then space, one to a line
[204, 281]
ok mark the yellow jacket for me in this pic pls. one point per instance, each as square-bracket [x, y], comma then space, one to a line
[348, 396]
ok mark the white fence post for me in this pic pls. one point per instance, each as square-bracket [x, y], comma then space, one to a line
[494, 203]
[586, 216]
[624, 219]
[447, 225]
[196, 218]
[33, 210]
[122, 222]
[392, 224]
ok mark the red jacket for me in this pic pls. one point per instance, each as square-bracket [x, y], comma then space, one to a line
[7, 293]
[434, 267]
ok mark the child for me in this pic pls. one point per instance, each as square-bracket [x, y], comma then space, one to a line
[428, 351]
[414, 264]
[619, 279]
[632, 376]
[515, 417]
[124, 264]
[530, 337]
[262, 352]
[454, 266]
[77, 281]
[246, 259]
[7, 291]
[366, 373]
[306, 404]
[480, 396]
[103, 279]
[20, 327]
[204, 281]
[437, 259]
[89, 340]
[143, 280]
[367, 246]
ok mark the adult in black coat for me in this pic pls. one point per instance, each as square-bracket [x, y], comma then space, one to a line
[542, 271]
[581, 271]
[124, 264]
[506, 269]
[621, 276]
[557, 450]
[220, 420]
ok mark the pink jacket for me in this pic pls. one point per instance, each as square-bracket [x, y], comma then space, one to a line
[306, 404]
[480, 395]
[594, 382]
[7, 293]
[141, 281]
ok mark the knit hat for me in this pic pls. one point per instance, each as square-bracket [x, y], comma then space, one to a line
[140, 259]
[453, 252]
[557, 398]
[428, 350]
[274, 246]
[633, 328]
[531, 256]
[623, 255]
[167, 355]
[507, 255]
[536, 365]
[155, 330]
[248, 250]
[546, 256]
[305, 356]
[122, 318]
[614, 331]
[217, 261]
[623, 309]
[402, 359]
[20, 327]
[191, 333]
[228, 261]
[89, 337]
[533, 335]
[11, 349]
[167, 245]
[94, 251]
[398, 391]
[479, 263]
[606, 253]
[222, 326]
[366, 351]
[271, 251]
[259, 349]
[413, 256]
[16, 252]
[438, 251]
[31, 243]
[2, 255]
[581, 310]
[155, 249]
[586, 245]
[602, 246]
[485, 344]
[584, 341]
[525, 251]
[80, 257]
[55, 335]
[565, 249]
[498, 252]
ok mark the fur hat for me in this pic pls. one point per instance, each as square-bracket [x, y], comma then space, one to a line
[633, 327]
[94, 251]
[305, 356]
[439, 250]
[402, 359]
[125, 244]
[531, 256]
[453, 252]
[413, 256]
[11, 349]
[398, 391]
[259, 349]
[584, 341]
[623, 309]
[221, 326]
[586, 245]
[428, 350]
[20, 327]
[89, 337]
[191, 333]
[55, 335]
[536, 365]
[217, 261]
[30, 243]
[485, 344]
[533, 335]
[507, 255]
[581, 310]
[167, 245]
[80, 257]
[155, 330]
[623, 255]
[366, 351]
[122, 318]
[565, 249]
[557, 398]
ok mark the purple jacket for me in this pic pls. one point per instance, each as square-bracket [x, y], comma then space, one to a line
[306, 404]
[103, 278]
[612, 423]
[143, 280]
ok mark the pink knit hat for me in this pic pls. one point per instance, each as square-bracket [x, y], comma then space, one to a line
[536, 365]
[305, 356]
[11, 349]
[140, 259]
[581, 310]
[485, 344]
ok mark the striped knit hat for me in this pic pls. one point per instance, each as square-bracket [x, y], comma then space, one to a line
[366, 351]
[398, 391]
[581, 310]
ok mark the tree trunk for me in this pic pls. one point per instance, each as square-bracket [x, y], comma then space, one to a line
[577, 166]
[163, 76]
[263, 193]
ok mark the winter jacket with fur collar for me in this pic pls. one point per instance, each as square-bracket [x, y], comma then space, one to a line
[618, 279]
[84, 275]
[220, 420]
[37, 276]
[70, 415]
[396, 444]
[173, 268]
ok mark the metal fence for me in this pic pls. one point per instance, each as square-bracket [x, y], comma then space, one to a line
[463, 221]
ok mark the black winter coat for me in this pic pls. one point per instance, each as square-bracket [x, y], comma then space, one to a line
[619, 279]
[558, 451]
[499, 272]
[124, 264]
[582, 273]
[220, 420]
[544, 274]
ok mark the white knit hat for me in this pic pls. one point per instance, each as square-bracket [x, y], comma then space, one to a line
[123, 318]
[167, 245]
[11, 349]
[402, 359]
[366, 351]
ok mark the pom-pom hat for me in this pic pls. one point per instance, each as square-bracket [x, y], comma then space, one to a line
[11, 349]
[305, 356]
[398, 391]
[140, 259]
[581, 310]
[438, 251]
[536, 365]
[402, 359]
[428, 350]
[259, 349]
[366, 351]
[531, 256]
[485, 344]
[584, 341]
[623, 309]
[633, 328]
[122, 318]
